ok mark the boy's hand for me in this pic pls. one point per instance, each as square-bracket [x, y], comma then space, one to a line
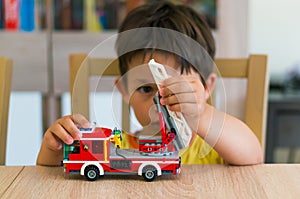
[184, 94]
[64, 130]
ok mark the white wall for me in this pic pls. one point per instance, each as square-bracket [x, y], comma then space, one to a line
[24, 128]
[260, 26]
[274, 29]
[232, 31]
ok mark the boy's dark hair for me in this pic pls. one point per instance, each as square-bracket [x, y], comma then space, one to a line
[180, 18]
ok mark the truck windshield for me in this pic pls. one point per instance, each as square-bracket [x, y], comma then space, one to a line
[72, 148]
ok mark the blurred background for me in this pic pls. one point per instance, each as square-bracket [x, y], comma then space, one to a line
[39, 35]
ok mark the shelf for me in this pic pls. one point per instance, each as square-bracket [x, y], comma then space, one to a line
[29, 53]
[65, 43]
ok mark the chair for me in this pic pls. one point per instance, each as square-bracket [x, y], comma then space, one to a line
[254, 69]
[91, 67]
[5, 86]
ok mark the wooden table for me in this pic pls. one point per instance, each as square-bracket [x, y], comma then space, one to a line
[7, 176]
[195, 181]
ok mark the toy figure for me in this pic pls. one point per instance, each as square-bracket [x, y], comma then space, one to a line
[117, 139]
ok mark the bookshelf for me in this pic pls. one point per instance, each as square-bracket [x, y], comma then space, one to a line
[62, 27]
[45, 49]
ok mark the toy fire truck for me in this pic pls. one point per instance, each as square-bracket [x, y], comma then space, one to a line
[98, 152]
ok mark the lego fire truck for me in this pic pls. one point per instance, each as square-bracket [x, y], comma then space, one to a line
[99, 153]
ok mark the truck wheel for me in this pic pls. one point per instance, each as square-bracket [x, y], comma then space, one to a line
[149, 173]
[91, 173]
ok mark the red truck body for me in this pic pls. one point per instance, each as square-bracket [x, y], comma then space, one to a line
[95, 155]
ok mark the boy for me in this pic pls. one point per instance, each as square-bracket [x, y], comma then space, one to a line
[232, 141]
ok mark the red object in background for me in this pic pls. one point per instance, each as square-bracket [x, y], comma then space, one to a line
[11, 14]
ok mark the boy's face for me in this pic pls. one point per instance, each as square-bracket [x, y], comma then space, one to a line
[140, 87]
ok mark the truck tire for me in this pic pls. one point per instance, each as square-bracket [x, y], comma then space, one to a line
[91, 173]
[149, 173]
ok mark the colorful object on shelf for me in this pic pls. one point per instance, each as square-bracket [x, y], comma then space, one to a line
[27, 15]
[1, 14]
[91, 22]
[90, 15]
[62, 14]
[99, 152]
[77, 14]
[11, 14]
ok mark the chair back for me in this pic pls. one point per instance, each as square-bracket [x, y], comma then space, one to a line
[81, 69]
[5, 86]
[253, 69]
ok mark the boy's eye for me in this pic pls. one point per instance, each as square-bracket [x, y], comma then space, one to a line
[145, 89]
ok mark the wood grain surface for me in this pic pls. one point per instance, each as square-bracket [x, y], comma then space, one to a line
[195, 181]
[7, 176]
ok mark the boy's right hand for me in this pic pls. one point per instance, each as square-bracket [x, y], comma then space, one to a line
[64, 130]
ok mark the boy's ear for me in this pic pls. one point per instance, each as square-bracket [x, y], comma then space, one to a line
[210, 85]
[121, 87]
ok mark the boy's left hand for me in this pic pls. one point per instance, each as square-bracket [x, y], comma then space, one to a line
[184, 94]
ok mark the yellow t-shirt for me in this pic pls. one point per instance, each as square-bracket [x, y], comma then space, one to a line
[199, 152]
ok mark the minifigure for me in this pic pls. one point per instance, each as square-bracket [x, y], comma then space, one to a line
[117, 139]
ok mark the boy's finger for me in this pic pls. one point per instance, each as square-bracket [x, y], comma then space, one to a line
[70, 127]
[80, 120]
[52, 141]
[175, 80]
[179, 98]
[176, 89]
[175, 107]
[185, 108]
[62, 134]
